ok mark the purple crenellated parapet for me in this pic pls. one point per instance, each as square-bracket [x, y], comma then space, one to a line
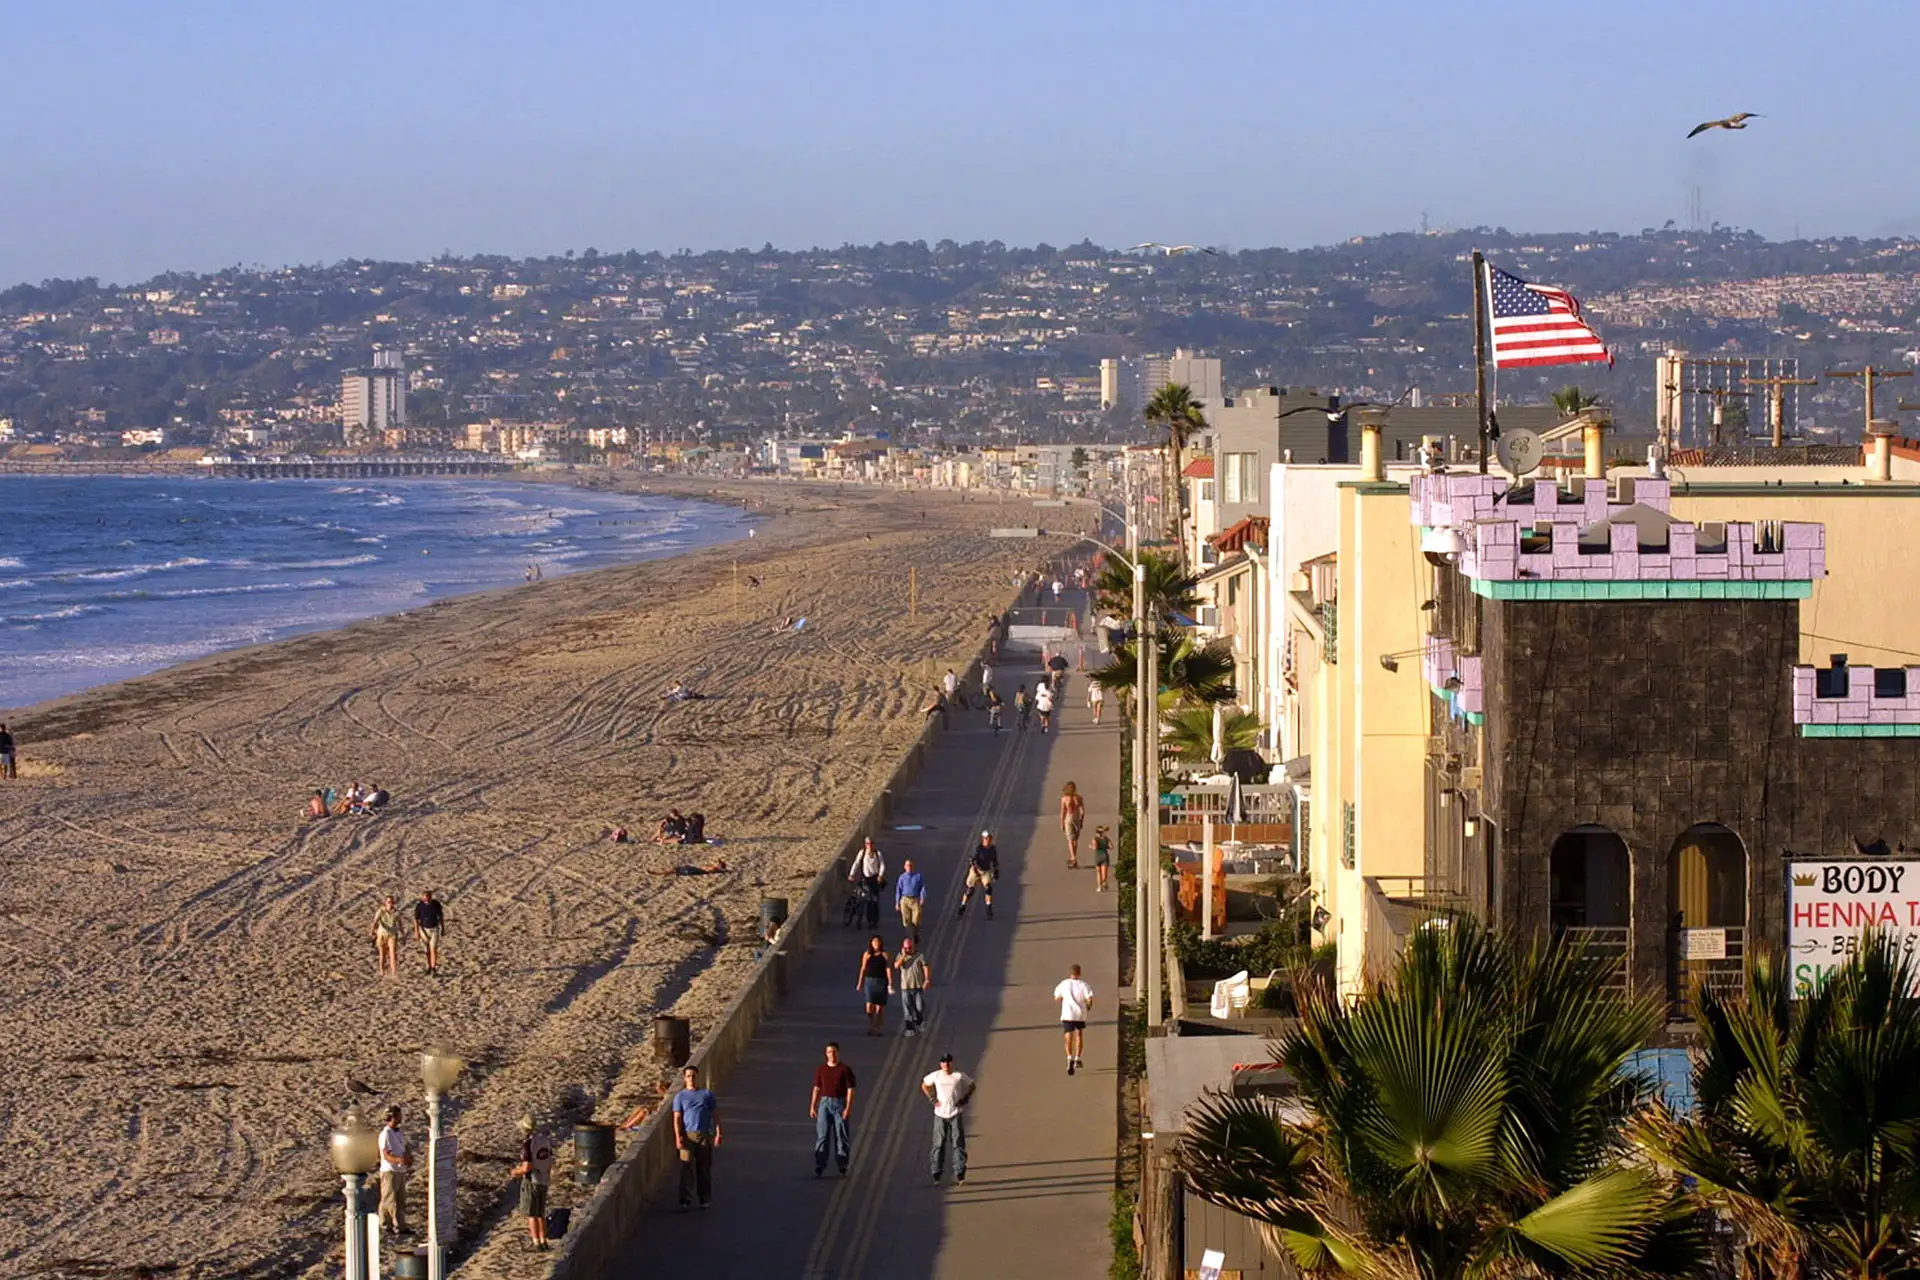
[1439, 662]
[1858, 705]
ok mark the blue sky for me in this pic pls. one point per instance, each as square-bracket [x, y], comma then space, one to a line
[137, 136]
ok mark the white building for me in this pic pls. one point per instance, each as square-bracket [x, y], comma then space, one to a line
[374, 400]
[1130, 381]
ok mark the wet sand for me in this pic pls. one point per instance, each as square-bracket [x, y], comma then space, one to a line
[186, 967]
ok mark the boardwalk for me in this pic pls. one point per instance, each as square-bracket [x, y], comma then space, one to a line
[1038, 1191]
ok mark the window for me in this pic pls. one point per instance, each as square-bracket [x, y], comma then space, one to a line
[1241, 476]
[1889, 682]
[1346, 836]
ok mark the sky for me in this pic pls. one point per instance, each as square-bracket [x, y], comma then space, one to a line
[137, 137]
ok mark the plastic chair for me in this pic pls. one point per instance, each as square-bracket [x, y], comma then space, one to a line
[1230, 996]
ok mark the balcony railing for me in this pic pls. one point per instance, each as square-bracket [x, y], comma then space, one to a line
[1607, 942]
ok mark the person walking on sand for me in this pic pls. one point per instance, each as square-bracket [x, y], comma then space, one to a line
[831, 1110]
[696, 1132]
[982, 870]
[1043, 703]
[875, 982]
[1075, 999]
[1102, 859]
[1096, 700]
[429, 923]
[910, 897]
[393, 1174]
[949, 1091]
[869, 871]
[1073, 815]
[914, 978]
[386, 936]
[535, 1172]
[9, 765]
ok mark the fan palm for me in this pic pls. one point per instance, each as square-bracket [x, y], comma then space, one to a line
[1462, 1118]
[1187, 731]
[1169, 589]
[1807, 1136]
[1189, 673]
[1570, 400]
[1174, 408]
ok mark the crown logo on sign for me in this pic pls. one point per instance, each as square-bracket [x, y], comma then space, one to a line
[1804, 881]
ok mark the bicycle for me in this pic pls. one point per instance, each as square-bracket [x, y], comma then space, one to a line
[993, 716]
[858, 900]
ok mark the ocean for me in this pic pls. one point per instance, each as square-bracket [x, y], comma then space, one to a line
[107, 577]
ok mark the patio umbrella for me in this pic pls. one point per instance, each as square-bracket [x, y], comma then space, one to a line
[1236, 802]
[1219, 727]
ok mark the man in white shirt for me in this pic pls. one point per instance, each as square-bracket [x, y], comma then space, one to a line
[393, 1175]
[1043, 703]
[1075, 998]
[869, 869]
[951, 683]
[950, 1092]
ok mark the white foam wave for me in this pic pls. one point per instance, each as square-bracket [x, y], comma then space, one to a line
[344, 562]
[71, 611]
[251, 588]
[9, 562]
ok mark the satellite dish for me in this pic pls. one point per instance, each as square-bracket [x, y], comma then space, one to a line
[1518, 450]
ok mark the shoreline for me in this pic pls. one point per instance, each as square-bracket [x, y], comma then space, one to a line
[187, 966]
[715, 538]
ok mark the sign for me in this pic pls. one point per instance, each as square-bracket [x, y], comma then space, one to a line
[443, 1183]
[1831, 905]
[1210, 1263]
[1703, 944]
[1049, 502]
[1013, 533]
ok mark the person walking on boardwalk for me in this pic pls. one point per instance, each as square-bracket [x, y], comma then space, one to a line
[386, 936]
[1075, 999]
[831, 1110]
[951, 683]
[1022, 708]
[429, 923]
[910, 897]
[696, 1132]
[393, 1174]
[875, 982]
[949, 1091]
[982, 870]
[986, 677]
[1096, 700]
[869, 871]
[914, 978]
[535, 1171]
[993, 704]
[1073, 815]
[1043, 703]
[1102, 859]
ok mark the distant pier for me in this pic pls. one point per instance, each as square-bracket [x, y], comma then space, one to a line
[295, 468]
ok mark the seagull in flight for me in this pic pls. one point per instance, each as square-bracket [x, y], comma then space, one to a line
[1738, 120]
[1335, 415]
[1171, 250]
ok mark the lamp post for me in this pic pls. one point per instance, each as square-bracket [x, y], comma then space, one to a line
[355, 1148]
[439, 1068]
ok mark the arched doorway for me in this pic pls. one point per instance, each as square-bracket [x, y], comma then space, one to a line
[1708, 868]
[1590, 891]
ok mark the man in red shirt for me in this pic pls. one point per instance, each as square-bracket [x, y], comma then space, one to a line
[831, 1110]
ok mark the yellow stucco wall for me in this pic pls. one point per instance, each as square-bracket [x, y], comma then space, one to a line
[1865, 606]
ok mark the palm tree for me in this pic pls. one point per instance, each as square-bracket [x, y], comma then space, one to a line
[1463, 1118]
[1189, 673]
[1571, 400]
[1169, 589]
[1186, 731]
[1807, 1137]
[1174, 407]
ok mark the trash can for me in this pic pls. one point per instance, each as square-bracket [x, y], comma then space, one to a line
[773, 914]
[672, 1039]
[410, 1266]
[592, 1152]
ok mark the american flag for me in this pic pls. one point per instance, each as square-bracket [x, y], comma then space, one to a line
[1536, 324]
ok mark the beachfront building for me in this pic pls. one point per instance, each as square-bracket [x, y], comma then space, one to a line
[374, 400]
[1610, 711]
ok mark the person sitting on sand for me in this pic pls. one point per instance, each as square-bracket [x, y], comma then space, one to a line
[375, 798]
[638, 1116]
[620, 836]
[671, 828]
[695, 831]
[786, 624]
[317, 805]
[343, 805]
[713, 868]
[680, 693]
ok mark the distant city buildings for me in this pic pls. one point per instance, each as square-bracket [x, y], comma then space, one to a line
[1128, 382]
[374, 401]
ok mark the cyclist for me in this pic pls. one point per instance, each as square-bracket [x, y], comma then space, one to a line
[994, 703]
[869, 871]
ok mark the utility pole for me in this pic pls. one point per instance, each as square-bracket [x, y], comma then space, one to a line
[1867, 373]
[1777, 401]
[1155, 935]
[1720, 397]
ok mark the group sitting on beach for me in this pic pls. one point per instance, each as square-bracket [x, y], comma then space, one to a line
[356, 798]
[679, 828]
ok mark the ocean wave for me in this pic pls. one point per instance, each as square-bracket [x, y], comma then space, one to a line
[8, 562]
[246, 589]
[130, 571]
[71, 611]
[15, 582]
[344, 562]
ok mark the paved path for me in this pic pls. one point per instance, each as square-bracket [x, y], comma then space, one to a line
[1038, 1192]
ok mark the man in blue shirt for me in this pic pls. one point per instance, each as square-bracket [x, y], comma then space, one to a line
[909, 896]
[696, 1132]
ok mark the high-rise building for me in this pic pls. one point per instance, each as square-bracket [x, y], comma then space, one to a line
[1128, 382]
[374, 400]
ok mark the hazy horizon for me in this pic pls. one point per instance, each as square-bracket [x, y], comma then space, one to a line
[140, 139]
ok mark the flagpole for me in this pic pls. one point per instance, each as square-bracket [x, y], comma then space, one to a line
[1480, 354]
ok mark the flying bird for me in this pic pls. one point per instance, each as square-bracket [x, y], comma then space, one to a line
[1334, 415]
[1738, 120]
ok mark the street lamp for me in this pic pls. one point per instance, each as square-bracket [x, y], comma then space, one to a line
[355, 1148]
[440, 1066]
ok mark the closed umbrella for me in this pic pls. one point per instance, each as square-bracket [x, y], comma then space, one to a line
[1219, 728]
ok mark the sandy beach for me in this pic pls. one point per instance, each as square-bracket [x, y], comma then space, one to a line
[186, 966]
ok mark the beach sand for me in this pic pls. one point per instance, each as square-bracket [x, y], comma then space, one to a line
[186, 969]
